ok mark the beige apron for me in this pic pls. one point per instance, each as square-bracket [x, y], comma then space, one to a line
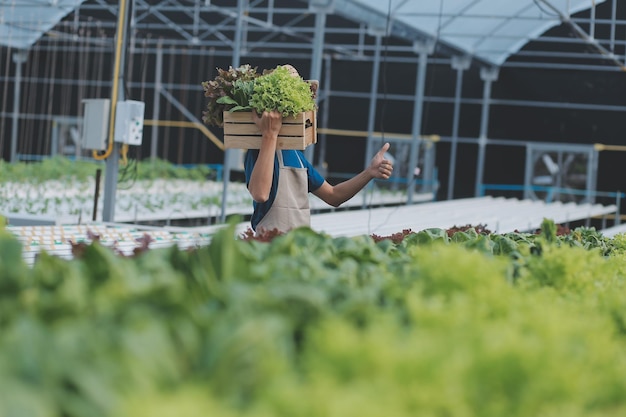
[291, 204]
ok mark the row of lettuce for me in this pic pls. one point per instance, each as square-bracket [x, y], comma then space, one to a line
[308, 325]
[69, 170]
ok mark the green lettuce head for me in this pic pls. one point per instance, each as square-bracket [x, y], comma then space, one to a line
[283, 91]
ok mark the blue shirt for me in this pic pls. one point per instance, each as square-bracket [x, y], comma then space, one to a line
[290, 159]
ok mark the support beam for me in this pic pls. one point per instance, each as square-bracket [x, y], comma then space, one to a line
[112, 162]
[320, 10]
[321, 167]
[156, 109]
[180, 106]
[613, 25]
[19, 58]
[488, 75]
[592, 177]
[232, 154]
[110, 184]
[423, 48]
[580, 32]
[528, 173]
[317, 54]
[371, 117]
[592, 21]
[169, 23]
[460, 63]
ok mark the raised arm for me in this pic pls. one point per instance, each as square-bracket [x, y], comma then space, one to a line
[336, 195]
[260, 183]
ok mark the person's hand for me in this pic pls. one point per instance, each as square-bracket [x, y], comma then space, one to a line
[380, 167]
[269, 123]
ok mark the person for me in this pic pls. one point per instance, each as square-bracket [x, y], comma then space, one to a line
[279, 181]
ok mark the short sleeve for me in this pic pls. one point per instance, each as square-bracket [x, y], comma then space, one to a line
[315, 178]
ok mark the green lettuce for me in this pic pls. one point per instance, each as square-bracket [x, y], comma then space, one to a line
[281, 91]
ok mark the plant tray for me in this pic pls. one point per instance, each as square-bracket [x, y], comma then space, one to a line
[297, 132]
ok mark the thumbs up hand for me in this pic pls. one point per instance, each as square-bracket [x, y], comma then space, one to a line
[380, 167]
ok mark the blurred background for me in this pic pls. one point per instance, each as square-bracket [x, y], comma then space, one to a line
[520, 98]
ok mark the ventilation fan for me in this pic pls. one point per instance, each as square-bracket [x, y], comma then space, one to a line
[560, 176]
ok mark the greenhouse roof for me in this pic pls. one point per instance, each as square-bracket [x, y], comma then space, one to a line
[488, 30]
[23, 22]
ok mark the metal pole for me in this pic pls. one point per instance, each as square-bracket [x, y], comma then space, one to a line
[613, 24]
[589, 38]
[54, 148]
[460, 63]
[96, 194]
[325, 113]
[112, 162]
[423, 48]
[429, 167]
[156, 110]
[618, 210]
[530, 155]
[318, 44]
[371, 117]
[592, 171]
[19, 57]
[592, 20]
[110, 184]
[229, 154]
[489, 75]
[316, 58]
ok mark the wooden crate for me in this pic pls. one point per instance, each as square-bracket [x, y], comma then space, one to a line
[297, 132]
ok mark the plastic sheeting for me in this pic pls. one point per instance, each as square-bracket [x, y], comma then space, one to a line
[23, 22]
[489, 30]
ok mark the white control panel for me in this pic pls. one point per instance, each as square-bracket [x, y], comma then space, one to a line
[95, 128]
[129, 122]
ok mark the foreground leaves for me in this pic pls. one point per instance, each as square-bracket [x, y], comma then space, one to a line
[307, 325]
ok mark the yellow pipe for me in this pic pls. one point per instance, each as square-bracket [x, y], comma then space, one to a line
[116, 74]
[364, 134]
[336, 132]
[603, 147]
[199, 126]
[124, 153]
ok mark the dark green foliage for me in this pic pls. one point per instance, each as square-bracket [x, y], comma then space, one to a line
[308, 325]
[54, 168]
[61, 168]
[222, 86]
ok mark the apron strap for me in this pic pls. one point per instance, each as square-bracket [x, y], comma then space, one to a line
[299, 160]
[279, 154]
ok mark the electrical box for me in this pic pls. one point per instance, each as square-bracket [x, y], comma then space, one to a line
[129, 122]
[96, 123]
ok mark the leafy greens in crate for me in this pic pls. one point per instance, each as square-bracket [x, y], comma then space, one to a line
[244, 89]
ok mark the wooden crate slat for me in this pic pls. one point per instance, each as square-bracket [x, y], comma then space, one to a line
[246, 117]
[240, 132]
[254, 142]
[252, 130]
